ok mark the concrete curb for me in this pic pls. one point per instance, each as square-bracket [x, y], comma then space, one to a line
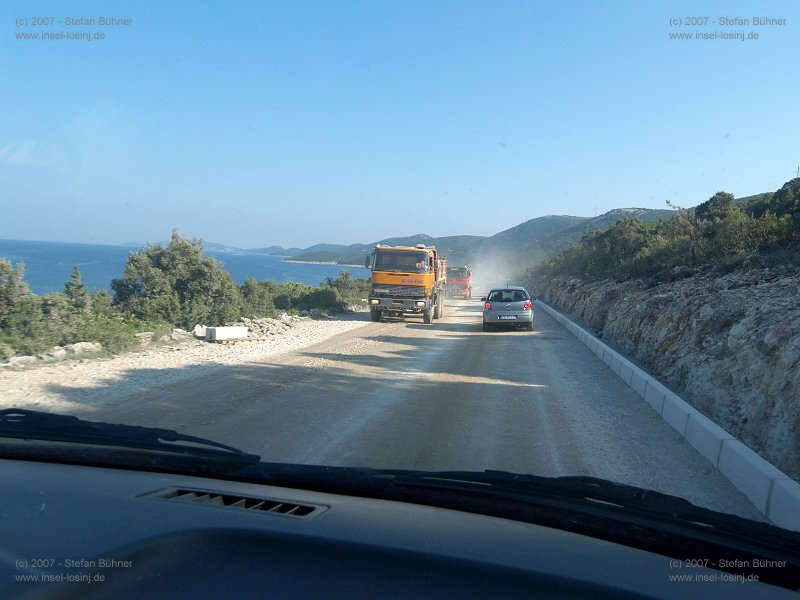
[772, 492]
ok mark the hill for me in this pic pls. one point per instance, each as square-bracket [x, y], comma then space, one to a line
[529, 242]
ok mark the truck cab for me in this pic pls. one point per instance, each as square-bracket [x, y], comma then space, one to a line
[459, 282]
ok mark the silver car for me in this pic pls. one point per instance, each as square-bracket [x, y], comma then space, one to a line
[510, 306]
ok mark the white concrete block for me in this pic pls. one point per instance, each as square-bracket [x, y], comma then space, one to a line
[749, 472]
[639, 381]
[608, 355]
[677, 412]
[784, 504]
[626, 371]
[654, 394]
[216, 334]
[706, 437]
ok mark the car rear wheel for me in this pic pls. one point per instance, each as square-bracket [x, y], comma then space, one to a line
[529, 326]
[486, 326]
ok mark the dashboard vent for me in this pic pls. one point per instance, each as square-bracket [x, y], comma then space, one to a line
[249, 503]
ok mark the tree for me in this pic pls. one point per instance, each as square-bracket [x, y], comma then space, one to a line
[75, 291]
[686, 227]
[257, 297]
[177, 284]
[715, 207]
[23, 326]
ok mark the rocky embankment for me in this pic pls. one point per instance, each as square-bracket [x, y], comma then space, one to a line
[728, 344]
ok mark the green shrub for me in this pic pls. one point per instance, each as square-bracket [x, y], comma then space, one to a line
[115, 332]
[349, 291]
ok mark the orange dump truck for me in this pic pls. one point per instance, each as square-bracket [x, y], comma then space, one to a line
[407, 280]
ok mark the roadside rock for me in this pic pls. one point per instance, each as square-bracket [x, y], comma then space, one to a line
[180, 335]
[57, 352]
[83, 347]
[262, 327]
[728, 344]
[22, 361]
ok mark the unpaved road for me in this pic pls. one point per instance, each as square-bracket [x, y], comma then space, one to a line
[444, 396]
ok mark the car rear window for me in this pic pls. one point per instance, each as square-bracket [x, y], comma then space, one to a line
[508, 296]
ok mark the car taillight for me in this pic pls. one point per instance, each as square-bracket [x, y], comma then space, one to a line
[488, 306]
[527, 305]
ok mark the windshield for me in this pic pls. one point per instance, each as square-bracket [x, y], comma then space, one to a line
[397, 260]
[191, 191]
[457, 273]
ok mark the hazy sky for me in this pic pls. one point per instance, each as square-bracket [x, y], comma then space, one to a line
[292, 123]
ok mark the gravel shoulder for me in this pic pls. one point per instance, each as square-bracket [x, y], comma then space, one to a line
[87, 383]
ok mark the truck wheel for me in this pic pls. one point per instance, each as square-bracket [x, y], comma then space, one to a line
[375, 315]
[427, 316]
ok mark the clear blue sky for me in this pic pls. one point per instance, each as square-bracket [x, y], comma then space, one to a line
[292, 123]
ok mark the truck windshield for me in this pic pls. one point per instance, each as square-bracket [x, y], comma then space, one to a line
[406, 261]
[457, 273]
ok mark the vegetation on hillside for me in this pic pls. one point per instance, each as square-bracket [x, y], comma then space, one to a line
[161, 288]
[720, 233]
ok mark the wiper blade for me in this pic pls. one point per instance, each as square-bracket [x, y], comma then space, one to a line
[19, 423]
[594, 494]
[584, 490]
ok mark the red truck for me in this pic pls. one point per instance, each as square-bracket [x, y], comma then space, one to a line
[459, 282]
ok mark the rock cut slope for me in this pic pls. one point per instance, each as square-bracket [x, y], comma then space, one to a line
[730, 345]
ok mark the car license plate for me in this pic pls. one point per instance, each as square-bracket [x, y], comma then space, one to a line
[507, 317]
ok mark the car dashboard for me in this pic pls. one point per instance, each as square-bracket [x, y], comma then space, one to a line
[96, 532]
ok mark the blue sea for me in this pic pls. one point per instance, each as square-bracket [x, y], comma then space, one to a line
[48, 265]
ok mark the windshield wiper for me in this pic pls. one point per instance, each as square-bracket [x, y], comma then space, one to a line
[35, 425]
[578, 490]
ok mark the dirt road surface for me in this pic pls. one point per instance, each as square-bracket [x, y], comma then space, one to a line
[402, 394]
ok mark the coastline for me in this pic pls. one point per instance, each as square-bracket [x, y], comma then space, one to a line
[330, 263]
